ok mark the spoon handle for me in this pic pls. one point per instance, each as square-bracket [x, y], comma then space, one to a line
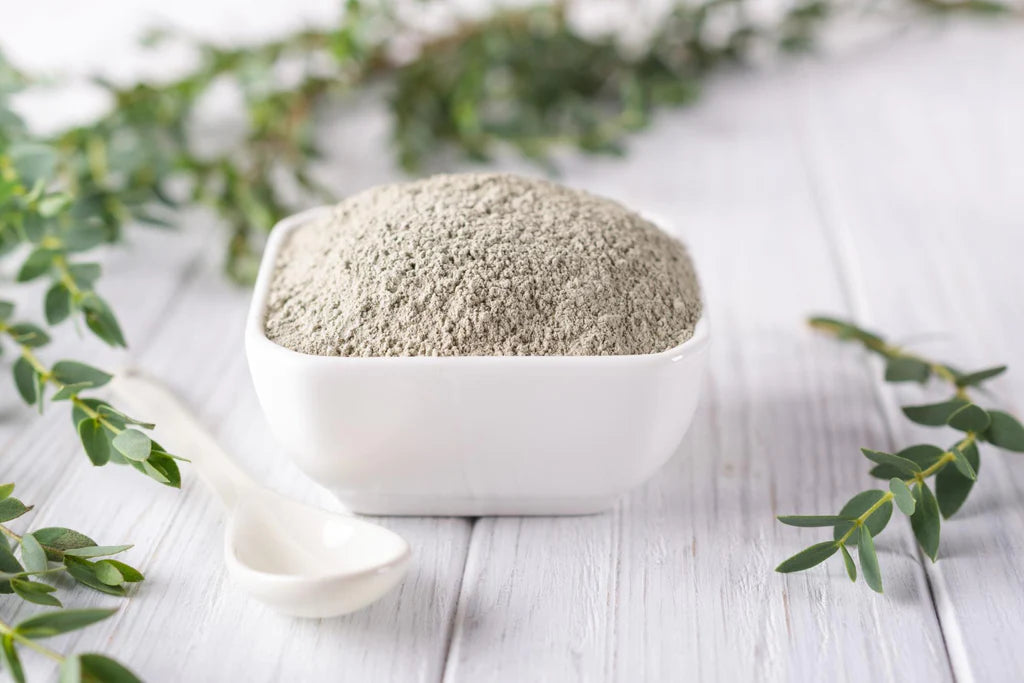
[187, 437]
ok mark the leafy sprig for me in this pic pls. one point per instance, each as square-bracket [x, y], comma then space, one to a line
[954, 468]
[43, 555]
[107, 434]
[49, 551]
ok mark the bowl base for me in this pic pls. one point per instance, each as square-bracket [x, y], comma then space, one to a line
[441, 506]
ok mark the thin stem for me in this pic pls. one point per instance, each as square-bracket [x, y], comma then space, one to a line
[892, 351]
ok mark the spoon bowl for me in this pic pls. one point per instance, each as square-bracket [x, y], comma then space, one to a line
[300, 560]
[308, 562]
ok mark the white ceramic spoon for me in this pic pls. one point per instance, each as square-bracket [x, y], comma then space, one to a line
[299, 560]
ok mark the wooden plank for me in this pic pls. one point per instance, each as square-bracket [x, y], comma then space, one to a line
[921, 193]
[678, 581]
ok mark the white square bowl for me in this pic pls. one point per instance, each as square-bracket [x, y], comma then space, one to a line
[472, 435]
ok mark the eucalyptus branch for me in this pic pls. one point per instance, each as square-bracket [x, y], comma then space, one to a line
[87, 667]
[45, 553]
[107, 434]
[76, 555]
[954, 469]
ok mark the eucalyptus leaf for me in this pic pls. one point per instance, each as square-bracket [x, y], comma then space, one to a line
[50, 624]
[851, 568]
[12, 659]
[12, 508]
[73, 372]
[28, 334]
[906, 369]
[95, 441]
[25, 381]
[812, 520]
[869, 560]
[962, 464]
[6, 490]
[970, 418]
[1005, 431]
[106, 670]
[808, 557]
[926, 520]
[905, 466]
[952, 487]
[35, 592]
[36, 264]
[100, 319]
[976, 378]
[902, 495]
[32, 554]
[934, 414]
[96, 550]
[133, 445]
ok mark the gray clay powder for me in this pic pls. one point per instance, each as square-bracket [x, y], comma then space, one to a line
[481, 265]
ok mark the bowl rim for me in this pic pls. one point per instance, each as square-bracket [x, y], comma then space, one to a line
[256, 337]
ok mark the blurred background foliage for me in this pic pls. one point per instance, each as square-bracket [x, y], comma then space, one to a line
[523, 79]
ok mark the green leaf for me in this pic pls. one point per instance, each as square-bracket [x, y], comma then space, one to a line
[71, 670]
[62, 538]
[96, 550]
[95, 441]
[6, 490]
[812, 520]
[12, 508]
[121, 419]
[962, 464]
[851, 568]
[32, 555]
[25, 381]
[37, 263]
[84, 274]
[33, 162]
[903, 496]
[57, 304]
[133, 444]
[934, 414]
[73, 372]
[12, 659]
[952, 487]
[6, 311]
[905, 466]
[106, 670]
[905, 369]
[923, 454]
[1005, 431]
[108, 574]
[69, 391]
[869, 560]
[925, 520]
[28, 334]
[857, 506]
[51, 205]
[846, 330]
[100, 319]
[35, 592]
[128, 572]
[50, 624]
[84, 572]
[160, 467]
[85, 237]
[808, 557]
[975, 378]
[970, 418]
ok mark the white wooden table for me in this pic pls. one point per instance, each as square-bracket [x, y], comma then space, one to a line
[885, 184]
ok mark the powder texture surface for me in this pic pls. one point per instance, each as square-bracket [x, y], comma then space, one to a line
[481, 265]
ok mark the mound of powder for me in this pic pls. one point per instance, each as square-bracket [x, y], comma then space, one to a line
[481, 265]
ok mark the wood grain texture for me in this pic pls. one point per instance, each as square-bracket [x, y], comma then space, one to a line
[884, 183]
